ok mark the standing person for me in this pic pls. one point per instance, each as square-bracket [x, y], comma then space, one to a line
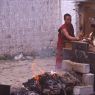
[65, 34]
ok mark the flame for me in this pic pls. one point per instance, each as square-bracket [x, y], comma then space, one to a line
[37, 77]
[52, 72]
[40, 70]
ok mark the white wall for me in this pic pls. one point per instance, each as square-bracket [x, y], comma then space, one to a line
[28, 25]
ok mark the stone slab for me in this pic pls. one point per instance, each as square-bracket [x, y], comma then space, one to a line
[88, 79]
[83, 90]
[78, 67]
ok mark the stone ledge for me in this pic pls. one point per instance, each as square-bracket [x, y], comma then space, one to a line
[83, 90]
[88, 79]
[78, 67]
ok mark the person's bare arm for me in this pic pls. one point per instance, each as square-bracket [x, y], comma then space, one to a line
[64, 31]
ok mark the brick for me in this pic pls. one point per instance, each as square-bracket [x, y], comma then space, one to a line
[83, 90]
[88, 79]
[78, 67]
[80, 45]
[66, 66]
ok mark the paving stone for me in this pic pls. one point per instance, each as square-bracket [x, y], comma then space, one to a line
[83, 90]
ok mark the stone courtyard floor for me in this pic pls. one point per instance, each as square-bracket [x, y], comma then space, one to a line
[14, 73]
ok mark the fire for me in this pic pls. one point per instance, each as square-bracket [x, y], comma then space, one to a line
[52, 72]
[37, 78]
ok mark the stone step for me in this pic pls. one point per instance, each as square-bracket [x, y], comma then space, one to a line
[83, 90]
[88, 79]
[78, 67]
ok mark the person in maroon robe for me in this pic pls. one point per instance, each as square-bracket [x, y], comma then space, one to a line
[65, 34]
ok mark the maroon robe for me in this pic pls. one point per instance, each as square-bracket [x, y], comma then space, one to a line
[61, 42]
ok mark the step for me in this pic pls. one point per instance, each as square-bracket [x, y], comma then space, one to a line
[78, 67]
[83, 90]
[88, 79]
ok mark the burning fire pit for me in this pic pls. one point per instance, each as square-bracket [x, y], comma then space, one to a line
[50, 84]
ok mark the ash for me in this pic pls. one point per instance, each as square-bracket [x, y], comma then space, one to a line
[50, 84]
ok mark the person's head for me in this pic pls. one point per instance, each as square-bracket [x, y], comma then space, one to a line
[67, 18]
